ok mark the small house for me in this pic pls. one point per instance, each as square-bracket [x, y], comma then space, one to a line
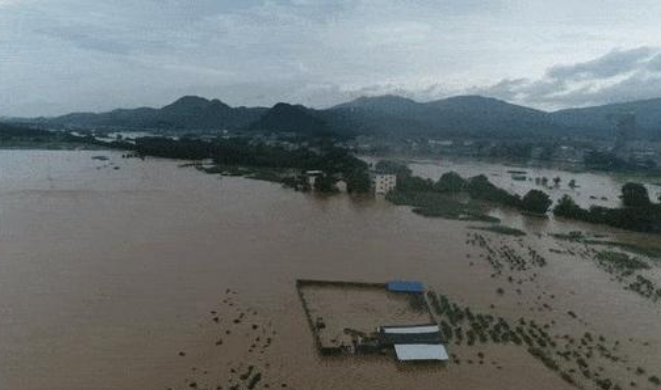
[414, 343]
[341, 186]
[312, 176]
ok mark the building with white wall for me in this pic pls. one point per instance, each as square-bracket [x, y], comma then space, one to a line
[384, 182]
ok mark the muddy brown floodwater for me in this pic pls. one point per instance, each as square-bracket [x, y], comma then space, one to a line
[152, 276]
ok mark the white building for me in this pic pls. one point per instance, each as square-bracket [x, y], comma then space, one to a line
[384, 182]
[341, 186]
[312, 177]
[414, 343]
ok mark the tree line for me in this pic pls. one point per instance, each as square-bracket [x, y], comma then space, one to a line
[638, 212]
[477, 187]
[334, 163]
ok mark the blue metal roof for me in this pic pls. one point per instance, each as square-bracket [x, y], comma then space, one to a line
[406, 286]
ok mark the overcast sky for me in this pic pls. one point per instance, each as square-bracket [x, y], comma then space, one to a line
[58, 56]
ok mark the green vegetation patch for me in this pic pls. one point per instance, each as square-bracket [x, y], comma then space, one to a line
[264, 174]
[648, 250]
[499, 229]
[621, 262]
[638, 212]
[646, 288]
[626, 269]
[576, 235]
[479, 188]
[572, 357]
[431, 204]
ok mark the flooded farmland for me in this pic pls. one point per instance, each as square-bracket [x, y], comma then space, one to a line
[589, 188]
[127, 274]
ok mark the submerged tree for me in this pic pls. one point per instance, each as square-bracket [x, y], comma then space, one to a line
[566, 207]
[358, 181]
[635, 195]
[556, 181]
[479, 187]
[325, 183]
[450, 182]
[536, 201]
[393, 167]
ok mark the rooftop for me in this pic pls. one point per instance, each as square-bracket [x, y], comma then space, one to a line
[421, 352]
[406, 286]
[419, 334]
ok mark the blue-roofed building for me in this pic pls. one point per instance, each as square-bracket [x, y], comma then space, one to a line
[406, 286]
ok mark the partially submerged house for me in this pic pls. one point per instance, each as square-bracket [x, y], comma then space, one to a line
[400, 303]
[384, 182]
[311, 177]
[414, 343]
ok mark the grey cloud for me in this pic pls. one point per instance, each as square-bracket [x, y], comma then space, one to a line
[620, 75]
[612, 64]
[639, 86]
[104, 54]
[88, 39]
[507, 89]
[654, 64]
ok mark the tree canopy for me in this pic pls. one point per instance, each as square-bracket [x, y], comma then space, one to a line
[536, 201]
[450, 182]
[635, 195]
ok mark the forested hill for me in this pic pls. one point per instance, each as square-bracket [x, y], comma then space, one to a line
[603, 118]
[469, 116]
[187, 113]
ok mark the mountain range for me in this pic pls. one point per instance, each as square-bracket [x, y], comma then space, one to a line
[189, 112]
[389, 115]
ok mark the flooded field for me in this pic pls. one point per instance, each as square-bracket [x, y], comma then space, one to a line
[591, 188]
[127, 274]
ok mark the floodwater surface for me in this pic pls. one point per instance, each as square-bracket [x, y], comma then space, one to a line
[128, 274]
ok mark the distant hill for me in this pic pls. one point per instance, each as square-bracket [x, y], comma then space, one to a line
[10, 131]
[385, 104]
[187, 113]
[389, 115]
[602, 119]
[287, 118]
[470, 116]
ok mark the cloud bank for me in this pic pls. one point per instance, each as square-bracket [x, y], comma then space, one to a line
[93, 55]
[619, 75]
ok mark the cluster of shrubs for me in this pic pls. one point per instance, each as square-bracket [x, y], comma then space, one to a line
[506, 256]
[646, 288]
[566, 355]
[478, 188]
[638, 212]
[620, 263]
